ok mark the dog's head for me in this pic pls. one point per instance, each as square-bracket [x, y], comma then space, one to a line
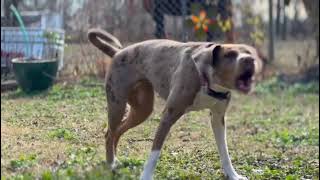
[230, 66]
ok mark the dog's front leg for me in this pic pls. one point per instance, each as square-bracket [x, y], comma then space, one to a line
[219, 130]
[181, 96]
[168, 119]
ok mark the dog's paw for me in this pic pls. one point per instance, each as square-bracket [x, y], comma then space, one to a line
[146, 176]
[236, 177]
[114, 164]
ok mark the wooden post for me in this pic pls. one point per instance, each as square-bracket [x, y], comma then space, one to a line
[271, 33]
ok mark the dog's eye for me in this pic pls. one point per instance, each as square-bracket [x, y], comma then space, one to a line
[231, 54]
[247, 52]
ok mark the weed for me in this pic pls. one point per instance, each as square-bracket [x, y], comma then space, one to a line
[62, 133]
[23, 162]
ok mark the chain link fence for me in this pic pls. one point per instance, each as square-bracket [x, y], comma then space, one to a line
[224, 21]
[203, 14]
[133, 20]
[227, 21]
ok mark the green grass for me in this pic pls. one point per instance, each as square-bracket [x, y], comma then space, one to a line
[59, 134]
[23, 162]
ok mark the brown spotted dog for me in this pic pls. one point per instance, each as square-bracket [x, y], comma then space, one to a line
[189, 76]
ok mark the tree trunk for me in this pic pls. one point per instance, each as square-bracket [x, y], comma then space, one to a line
[284, 25]
[279, 3]
[271, 33]
[313, 13]
[311, 73]
[230, 34]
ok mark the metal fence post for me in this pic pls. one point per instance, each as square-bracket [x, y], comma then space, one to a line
[184, 12]
[271, 32]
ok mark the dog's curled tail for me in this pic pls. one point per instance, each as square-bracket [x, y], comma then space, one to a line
[104, 41]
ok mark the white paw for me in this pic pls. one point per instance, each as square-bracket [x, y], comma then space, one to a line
[114, 164]
[145, 176]
[236, 177]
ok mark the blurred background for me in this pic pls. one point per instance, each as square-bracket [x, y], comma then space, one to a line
[285, 32]
[58, 134]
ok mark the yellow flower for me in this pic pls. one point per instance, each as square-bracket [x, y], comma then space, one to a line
[225, 25]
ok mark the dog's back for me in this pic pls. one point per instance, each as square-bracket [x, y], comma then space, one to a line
[156, 61]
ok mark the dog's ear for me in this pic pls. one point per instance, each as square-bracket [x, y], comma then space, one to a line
[217, 53]
[207, 57]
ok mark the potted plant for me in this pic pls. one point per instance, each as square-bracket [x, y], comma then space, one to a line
[38, 68]
[36, 74]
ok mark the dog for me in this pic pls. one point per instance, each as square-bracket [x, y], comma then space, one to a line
[189, 76]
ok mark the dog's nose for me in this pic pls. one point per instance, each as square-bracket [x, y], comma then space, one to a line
[248, 60]
[248, 63]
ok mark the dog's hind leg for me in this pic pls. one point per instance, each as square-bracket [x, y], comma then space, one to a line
[140, 100]
[116, 110]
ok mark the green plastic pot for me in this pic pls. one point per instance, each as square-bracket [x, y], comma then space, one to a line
[34, 75]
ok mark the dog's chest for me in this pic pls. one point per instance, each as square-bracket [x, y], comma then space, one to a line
[202, 101]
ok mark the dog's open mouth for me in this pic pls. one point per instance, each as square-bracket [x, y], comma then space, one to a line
[244, 81]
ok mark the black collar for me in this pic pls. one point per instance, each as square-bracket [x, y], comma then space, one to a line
[215, 94]
[218, 95]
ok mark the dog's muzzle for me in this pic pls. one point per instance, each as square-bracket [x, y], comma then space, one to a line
[245, 79]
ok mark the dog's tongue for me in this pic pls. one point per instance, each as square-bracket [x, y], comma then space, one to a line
[244, 85]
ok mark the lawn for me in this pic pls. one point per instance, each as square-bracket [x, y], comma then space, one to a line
[273, 134]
